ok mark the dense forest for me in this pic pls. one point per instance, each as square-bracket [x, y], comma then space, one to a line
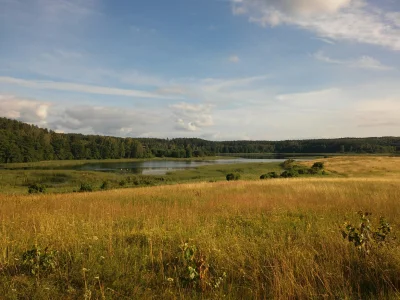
[20, 142]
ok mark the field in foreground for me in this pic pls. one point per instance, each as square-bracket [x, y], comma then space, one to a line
[277, 238]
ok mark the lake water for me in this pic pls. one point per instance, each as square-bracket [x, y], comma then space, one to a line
[161, 167]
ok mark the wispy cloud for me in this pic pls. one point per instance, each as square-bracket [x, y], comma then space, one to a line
[363, 62]
[326, 41]
[355, 21]
[81, 88]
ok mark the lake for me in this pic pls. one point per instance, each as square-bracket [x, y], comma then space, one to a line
[161, 167]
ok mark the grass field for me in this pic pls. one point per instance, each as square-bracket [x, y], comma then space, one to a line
[17, 180]
[247, 239]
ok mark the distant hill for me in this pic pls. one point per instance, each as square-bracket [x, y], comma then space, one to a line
[20, 142]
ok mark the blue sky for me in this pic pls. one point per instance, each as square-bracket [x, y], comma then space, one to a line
[214, 69]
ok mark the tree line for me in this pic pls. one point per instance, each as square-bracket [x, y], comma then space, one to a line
[21, 142]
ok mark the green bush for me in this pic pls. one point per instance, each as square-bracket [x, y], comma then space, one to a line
[287, 164]
[303, 171]
[269, 175]
[318, 165]
[105, 185]
[232, 176]
[289, 173]
[36, 189]
[86, 187]
[313, 171]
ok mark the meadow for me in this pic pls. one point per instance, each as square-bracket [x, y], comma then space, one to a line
[58, 177]
[246, 239]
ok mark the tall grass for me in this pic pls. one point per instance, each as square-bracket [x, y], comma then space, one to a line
[260, 239]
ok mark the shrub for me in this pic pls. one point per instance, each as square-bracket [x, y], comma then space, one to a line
[318, 165]
[303, 171]
[36, 188]
[287, 164]
[105, 185]
[86, 187]
[289, 173]
[313, 171]
[122, 183]
[269, 175]
[232, 176]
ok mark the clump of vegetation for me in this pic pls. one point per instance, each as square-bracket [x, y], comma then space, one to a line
[122, 183]
[37, 260]
[86, 187]
[232, 176]
[318, 165]
[269, 175]
[194, 271]
[294, 170]
[36, 188]
[287, 164]
[367, 235]
[105, 185]
[290, 173]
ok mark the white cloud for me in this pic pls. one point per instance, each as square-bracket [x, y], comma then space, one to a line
[350, 20]
[192, 117]
[190, 126]
[105, 120]
[326, 41]
[234, 59]
[298, 7]
[25, 110]
[81, 88]
[363, 62]
[393, 17]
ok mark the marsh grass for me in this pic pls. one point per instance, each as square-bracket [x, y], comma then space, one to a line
[272, 239]
[15, 181]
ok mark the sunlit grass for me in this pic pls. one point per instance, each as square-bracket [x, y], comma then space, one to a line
[277, 238]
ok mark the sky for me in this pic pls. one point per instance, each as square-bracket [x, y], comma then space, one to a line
[212, 69]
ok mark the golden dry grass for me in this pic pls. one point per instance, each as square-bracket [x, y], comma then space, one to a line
[363, 165]
[273, 239]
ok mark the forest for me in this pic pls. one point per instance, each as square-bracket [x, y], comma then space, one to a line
[21, 142]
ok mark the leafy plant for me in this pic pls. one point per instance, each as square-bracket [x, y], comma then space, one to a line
[287, 164]
[269, 175]
[37, 260]
[36, 188]
[232, 176]
[365, 236]
[318, 165]
[194, 266]
[105, 185]
[290, 173]
[194, 271]
[86, 187]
